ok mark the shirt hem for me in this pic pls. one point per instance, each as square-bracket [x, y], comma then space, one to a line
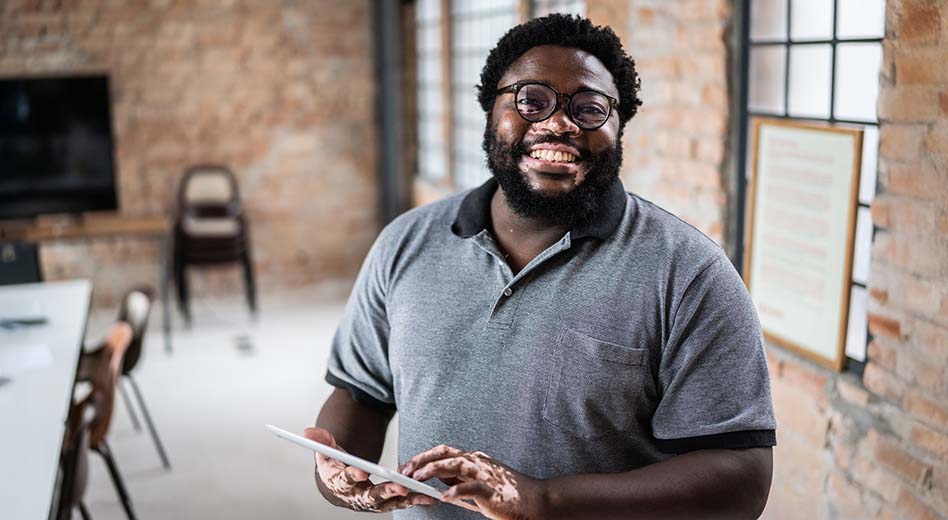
[728, 440]
[359, 395]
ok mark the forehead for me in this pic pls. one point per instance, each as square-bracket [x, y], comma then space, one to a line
[565, 68]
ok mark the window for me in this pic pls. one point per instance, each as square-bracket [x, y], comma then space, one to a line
[453, 40]
[819, 60]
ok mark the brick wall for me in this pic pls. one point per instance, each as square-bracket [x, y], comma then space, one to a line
[281, 91]
[675, 147]
[877, 446]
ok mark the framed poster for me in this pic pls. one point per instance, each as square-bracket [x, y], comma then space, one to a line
[801, 221]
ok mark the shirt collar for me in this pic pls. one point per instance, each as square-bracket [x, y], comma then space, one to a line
[474, 213]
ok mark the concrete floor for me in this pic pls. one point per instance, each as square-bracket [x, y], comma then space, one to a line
[210, 400]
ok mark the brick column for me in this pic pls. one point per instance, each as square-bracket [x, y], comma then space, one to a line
[877, 446]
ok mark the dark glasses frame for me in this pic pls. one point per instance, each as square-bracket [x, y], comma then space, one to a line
[515, 89]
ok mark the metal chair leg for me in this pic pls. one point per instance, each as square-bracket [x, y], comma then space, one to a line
[250, 286]
[149, 423]
[84, 512]
[128, 406]
[103, 449]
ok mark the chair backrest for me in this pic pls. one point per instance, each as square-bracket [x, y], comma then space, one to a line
[135, 310]
[74, 460]
[105, 376]
[208, 185]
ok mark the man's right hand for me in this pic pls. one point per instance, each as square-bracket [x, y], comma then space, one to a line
[350, 487]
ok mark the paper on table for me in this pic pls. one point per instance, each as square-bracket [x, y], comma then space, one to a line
[17, 358]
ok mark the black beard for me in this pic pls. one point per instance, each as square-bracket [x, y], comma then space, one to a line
[578, 205]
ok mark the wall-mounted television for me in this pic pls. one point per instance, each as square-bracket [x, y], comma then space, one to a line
[56, 146]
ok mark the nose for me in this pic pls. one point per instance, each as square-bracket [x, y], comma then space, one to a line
[559, 123]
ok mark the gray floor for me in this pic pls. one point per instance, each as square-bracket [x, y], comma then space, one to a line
[210, 400]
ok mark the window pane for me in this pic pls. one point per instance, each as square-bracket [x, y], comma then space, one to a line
[768, 20]
[811, 20]
[809, 81]
[857, 80]
[766, 78]
[860, 19]
[870, 164]
[856, 337]
[863, 243]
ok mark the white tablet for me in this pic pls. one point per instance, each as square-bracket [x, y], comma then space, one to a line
[352, 460]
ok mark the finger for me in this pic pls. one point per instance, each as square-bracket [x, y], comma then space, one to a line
[385, 491]
[464, 505]
[414, 499]
[436, 453]
[468, 490]
[326, 466]
[320, 435]
[456, 467]
[344, 481]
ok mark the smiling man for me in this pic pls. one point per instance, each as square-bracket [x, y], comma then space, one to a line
[555, 347]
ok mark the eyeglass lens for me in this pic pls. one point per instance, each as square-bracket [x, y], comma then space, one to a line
[536, 102]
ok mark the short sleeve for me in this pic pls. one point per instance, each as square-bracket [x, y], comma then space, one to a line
[713, 377]
[358, 361]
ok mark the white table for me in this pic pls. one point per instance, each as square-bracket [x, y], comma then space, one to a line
[35, 401]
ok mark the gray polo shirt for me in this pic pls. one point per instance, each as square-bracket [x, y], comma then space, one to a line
[629, 340]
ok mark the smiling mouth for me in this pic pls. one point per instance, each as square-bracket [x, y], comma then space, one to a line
[552, 156]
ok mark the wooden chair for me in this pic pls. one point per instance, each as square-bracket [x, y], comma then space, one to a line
[87, 425]
[210, 228]
[134, 310]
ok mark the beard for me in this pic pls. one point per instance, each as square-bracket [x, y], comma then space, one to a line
[578, 205]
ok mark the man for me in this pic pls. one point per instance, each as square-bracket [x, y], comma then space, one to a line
[555, 347]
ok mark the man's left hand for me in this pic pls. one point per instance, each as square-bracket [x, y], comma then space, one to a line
[496, 491]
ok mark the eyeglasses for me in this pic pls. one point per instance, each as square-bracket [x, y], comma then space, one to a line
[589, 109]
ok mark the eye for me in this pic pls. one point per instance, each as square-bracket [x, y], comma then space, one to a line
[591, 109]
[530, 103]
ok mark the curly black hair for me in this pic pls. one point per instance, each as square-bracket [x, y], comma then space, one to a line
[565, 31]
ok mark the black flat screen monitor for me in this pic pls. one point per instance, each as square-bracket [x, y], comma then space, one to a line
[56, 146]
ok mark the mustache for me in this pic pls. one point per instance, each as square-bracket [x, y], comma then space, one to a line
[523, 146]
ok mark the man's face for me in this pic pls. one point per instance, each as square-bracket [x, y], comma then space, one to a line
[555, 192]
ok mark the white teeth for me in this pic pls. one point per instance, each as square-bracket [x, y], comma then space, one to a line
[552, 156]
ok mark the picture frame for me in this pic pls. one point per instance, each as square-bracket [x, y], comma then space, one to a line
[801, 220]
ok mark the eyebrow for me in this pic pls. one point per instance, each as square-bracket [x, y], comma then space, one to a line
[582, 86]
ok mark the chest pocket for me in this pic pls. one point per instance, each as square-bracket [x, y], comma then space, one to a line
[594, 386]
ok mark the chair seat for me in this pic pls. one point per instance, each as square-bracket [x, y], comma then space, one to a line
[210, 227]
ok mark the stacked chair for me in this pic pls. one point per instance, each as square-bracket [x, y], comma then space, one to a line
[104, 367]
[210, 228]
[87, 425]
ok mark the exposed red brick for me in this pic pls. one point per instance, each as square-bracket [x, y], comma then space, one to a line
[921, 179]
[927, 410]
[910, 103]
[903, 463]
[930, 440]
[879, 295]
[880, 325]
[926, 66]
[912, 507]
[883, 353]
[882, 382]
[936, 142]
[901, 141]
[919, 21]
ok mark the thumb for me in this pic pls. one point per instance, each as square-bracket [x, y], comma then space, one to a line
[320, 435]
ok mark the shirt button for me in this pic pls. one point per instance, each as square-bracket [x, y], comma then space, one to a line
[507, 292]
